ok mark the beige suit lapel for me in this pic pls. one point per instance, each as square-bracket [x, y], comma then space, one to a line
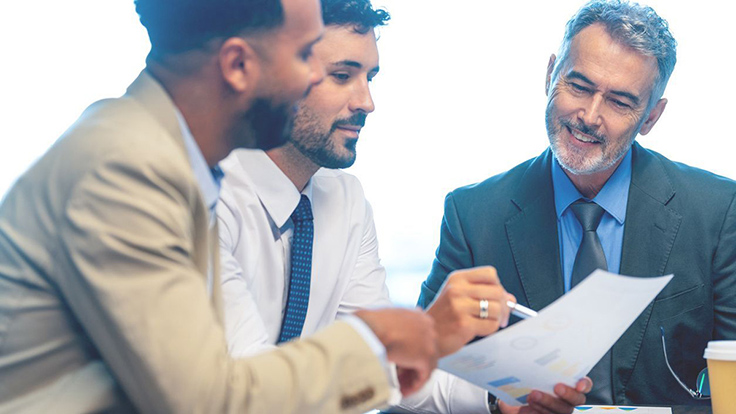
[214, 257]
[146, 90]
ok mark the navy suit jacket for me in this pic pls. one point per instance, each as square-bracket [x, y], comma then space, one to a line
[679, 220]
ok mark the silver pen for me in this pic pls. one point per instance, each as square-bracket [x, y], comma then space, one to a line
[521, 311]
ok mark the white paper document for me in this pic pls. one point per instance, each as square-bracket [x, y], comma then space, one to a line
[607, 409]
[562, 343]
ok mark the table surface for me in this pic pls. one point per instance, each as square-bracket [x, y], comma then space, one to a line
[681, 409]
[691, 410]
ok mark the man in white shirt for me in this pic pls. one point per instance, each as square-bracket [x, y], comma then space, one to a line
[110, 298]
[262, 189]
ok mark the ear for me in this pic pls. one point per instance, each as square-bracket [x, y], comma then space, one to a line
[239, 64]
[550, 68]
[653, 117]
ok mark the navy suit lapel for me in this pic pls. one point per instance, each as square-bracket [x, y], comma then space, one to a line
[532, 235]
[649, 234]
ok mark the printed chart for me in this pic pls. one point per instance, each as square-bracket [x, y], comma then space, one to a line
[561, 344]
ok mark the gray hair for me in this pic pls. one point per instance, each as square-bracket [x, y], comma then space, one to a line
[636, 26]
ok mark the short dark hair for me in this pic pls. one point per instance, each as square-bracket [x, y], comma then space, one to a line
[357, 13]
[180, 25]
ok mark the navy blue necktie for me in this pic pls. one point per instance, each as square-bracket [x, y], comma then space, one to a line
[301, 271]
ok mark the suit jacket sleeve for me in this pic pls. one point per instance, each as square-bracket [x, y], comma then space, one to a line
[452, 254]
[724, 278]
[131, 280]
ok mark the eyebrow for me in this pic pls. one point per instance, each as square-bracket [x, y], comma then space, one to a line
[353, 64]
[577, 75]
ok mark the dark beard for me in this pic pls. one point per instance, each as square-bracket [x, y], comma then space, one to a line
[316, 143]
[269, 124]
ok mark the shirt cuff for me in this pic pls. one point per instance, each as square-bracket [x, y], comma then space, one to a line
[380, 351]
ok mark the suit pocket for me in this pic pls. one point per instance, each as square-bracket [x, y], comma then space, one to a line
[677, 304]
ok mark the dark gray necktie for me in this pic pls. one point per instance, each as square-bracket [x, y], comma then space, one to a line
[589, 258]
[590, 254]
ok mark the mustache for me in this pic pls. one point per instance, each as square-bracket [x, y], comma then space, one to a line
[357, 119]
[585, 130]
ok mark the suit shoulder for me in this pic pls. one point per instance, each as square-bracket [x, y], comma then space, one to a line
[696, 180]
[497, 188]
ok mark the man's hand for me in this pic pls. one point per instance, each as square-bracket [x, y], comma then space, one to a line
[456, 311]
[411, 343]
[564, 401]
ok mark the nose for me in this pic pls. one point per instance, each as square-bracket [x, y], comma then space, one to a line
[317, 71]
[590, 114]
[362, 101]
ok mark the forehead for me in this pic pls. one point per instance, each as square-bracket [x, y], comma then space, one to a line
[342, 43]
[302, 21]
[610, 64]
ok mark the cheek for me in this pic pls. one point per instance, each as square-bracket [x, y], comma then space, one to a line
[563, 104]
[292, 80]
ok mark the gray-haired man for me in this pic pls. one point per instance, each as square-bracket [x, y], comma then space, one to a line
[644, 214]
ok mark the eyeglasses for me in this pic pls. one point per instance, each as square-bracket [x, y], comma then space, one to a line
[702, 386]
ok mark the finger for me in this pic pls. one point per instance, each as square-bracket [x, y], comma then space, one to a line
[569, 394]
[507, 309]
[472, 307]
[508, 409]
[547, 404]
[481, 274]
[484, 327]
[407, 381]
[478, 291]
[584, 385]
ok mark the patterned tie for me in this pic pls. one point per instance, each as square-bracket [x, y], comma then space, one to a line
[589, 258]
[301, 271]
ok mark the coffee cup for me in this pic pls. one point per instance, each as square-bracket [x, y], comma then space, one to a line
[721, 356]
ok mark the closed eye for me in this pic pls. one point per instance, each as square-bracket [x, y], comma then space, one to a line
[620, 104]
[579, 88]
[341, 76]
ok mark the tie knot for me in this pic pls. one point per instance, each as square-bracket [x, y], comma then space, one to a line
[303, 211]
[588, 213]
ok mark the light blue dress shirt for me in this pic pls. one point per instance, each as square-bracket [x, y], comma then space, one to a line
[613, 197]
[207, 178]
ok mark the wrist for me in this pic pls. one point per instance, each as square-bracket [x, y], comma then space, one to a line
[493, 406]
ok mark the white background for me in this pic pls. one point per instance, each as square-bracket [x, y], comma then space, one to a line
[460, 97]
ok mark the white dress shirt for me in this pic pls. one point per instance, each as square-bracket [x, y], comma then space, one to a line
[256, 202]
[254, 211]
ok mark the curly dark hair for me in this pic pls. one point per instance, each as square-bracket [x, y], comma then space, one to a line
[357, 13]
[180, 25]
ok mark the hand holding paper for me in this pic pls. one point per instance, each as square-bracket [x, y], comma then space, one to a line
[562, 343]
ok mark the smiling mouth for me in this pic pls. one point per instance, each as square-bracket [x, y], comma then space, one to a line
[582, 137]
[350, 127]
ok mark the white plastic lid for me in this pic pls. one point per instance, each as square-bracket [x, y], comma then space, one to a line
[721, 351]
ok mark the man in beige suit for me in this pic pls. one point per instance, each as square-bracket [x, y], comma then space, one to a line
[109, 292]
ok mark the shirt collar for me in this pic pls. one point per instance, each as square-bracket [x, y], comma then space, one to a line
[208, 179]
[613, 197]
[275, 190]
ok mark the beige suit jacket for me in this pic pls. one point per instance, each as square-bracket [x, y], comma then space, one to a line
[104, 249]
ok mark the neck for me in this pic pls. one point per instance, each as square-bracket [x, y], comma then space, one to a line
[294, 164]
[590, 185]
[195, 97]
